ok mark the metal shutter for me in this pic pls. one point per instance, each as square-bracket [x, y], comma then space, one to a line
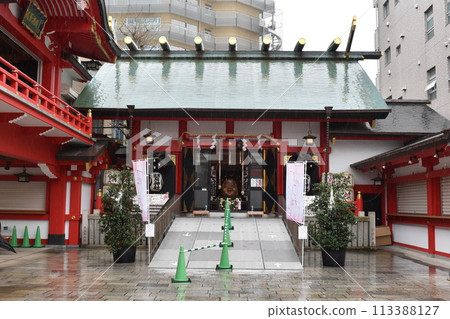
[412, 197]
[445, 195]
[23, 196]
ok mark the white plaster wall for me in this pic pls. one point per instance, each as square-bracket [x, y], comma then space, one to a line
[295, 131]
[410, 169]
[444, 162]
[346, 152]
[413, 235]
[66, 229]
[86, 174]
[68, 186]
[31, 224]
[249, 127]
[207, 127]
[169, 128]
[86, 193]
[34, 171]
[442, 239]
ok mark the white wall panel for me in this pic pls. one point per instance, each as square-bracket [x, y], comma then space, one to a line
[169, 128]
[410, 169]
[207, 127]
[31, 224]
[86, 194]
[68, 187]
[295, 131]
[249, 127]
[413, 235]
[346, 152]
[442, 236]
[66, 229]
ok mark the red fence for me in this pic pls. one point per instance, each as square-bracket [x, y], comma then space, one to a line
[22, 85]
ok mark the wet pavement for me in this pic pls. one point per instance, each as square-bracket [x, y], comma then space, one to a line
[88, 274]
[258, 243]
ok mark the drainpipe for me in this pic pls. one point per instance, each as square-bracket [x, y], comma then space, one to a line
[328, 110]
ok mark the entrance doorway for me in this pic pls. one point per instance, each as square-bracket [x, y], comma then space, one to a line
[247, 178]
[372, 203]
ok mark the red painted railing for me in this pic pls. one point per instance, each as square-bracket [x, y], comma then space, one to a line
[22, 85]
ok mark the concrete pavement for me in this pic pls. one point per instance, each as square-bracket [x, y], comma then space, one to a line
[389, 273]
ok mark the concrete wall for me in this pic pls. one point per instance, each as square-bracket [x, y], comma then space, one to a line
[405, 26]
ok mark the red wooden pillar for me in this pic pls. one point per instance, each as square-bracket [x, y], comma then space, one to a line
[57, 206]
[322, 149]
[136, 129]
[229, 128]
[281, 152]
[433, 199]
[48, 74]
[391, 197]
[75, 210]
[433, 206]
[182, 128]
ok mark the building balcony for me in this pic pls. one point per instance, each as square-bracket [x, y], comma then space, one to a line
[28, 104]
[194, 12]
[182, 35]
[264, 5]
[175, 33]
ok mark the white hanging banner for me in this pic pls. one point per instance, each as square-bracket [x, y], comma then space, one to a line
[295, 186]
[140, 180]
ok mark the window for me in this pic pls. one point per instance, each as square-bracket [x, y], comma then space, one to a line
[429, 23]
[431, 86]
[398, 49]
[387, 56]
[385, 9]
[448, 71]
[448, 11]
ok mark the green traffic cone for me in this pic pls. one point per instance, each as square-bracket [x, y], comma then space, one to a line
[26, 241]
[226, 236]
[228, 219]
[14, 238]
[227, 216]
[37, 239]
[180, 275]
[224, 260]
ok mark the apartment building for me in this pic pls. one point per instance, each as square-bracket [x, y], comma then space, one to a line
[180, 21]
[414, 36]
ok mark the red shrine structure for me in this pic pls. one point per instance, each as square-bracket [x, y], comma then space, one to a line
[40, 46]
[202, 118]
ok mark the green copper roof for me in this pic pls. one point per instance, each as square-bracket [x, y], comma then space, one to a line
[239, 84]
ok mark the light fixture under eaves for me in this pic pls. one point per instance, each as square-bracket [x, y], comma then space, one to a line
[23, 177]
[309, 139]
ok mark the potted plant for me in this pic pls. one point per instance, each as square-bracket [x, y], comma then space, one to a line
[120, 219]
[334, 215]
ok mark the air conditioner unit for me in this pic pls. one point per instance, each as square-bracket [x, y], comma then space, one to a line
[69, 93]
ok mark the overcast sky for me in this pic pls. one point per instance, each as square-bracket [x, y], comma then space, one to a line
[320, 21]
